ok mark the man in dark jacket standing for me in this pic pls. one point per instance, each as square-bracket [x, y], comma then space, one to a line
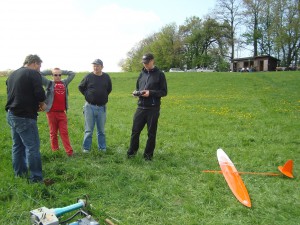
[25, 97]
[151, 85]
[95, 87]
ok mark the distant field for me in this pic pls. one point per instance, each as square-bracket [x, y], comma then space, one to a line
[253, 117]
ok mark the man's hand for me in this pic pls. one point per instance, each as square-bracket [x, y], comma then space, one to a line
[42, 106]
[146, 93]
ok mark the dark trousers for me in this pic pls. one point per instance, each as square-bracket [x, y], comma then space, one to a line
[140, 119]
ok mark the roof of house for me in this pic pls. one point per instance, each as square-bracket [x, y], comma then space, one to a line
[255, 57]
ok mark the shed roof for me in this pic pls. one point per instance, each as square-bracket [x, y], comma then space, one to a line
[255, 57]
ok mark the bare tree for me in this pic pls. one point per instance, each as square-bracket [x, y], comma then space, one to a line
[230, 12]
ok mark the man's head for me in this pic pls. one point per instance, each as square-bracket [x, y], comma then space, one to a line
[98, 66]
[33, 62]
[56, 73]
[148, 61]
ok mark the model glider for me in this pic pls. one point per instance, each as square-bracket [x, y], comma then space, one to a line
[286, 170]
[233, 178]
[235, 182]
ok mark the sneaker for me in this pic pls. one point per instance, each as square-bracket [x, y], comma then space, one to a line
[102, 150]
[48, 181]
[85, 151]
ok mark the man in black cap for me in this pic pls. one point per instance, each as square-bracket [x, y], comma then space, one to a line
[151, 85]
[95, 86]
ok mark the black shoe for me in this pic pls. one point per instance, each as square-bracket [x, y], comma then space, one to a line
[129, 156]
[148, 157]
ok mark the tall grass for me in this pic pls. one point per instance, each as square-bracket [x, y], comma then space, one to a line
[253, 117]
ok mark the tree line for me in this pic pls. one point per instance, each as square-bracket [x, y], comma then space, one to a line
[263, 27]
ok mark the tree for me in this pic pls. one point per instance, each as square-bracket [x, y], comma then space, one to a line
[266, 21]
[287, 30]
[253, 8]
[229, 12]
[133, 61]
[274, 28]
[202, 41]
[191, 37]
[167, 47]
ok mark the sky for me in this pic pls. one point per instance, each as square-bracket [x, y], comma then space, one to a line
[70, 34]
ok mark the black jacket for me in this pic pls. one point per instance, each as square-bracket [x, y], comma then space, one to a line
[155, 81]
[24, 92]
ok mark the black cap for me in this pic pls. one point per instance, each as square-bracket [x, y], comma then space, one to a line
[147, 57]
[98, 62]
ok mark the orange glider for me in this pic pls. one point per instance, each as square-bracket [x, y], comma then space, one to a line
[286, 169]
[233, 178]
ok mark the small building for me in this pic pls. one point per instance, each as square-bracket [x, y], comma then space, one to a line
[256, 63]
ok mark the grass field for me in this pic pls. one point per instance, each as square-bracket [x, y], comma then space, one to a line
[253, 117]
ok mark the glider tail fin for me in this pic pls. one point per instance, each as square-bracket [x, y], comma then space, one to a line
[287, 169]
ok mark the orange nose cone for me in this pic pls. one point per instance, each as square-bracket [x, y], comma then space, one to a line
[287, 169]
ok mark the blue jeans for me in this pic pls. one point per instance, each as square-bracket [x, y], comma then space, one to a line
[94, 115]
[26, 147]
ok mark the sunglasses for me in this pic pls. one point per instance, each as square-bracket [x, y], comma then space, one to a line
[59, 75]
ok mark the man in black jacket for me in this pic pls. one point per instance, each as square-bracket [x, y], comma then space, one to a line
[25, 97]
[95, 86]
[151, 85]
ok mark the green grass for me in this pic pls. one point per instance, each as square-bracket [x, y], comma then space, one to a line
[253, 117]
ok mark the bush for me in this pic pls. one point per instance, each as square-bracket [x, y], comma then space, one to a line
[5, 73]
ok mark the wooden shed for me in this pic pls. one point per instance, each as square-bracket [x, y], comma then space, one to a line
[257, 63]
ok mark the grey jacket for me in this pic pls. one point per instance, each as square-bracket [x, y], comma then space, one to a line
[49, 85]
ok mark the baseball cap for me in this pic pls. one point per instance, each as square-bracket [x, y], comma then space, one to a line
[97, 62]
[147, 57]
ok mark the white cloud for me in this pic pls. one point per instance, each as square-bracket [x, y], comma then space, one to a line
[68, 37]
